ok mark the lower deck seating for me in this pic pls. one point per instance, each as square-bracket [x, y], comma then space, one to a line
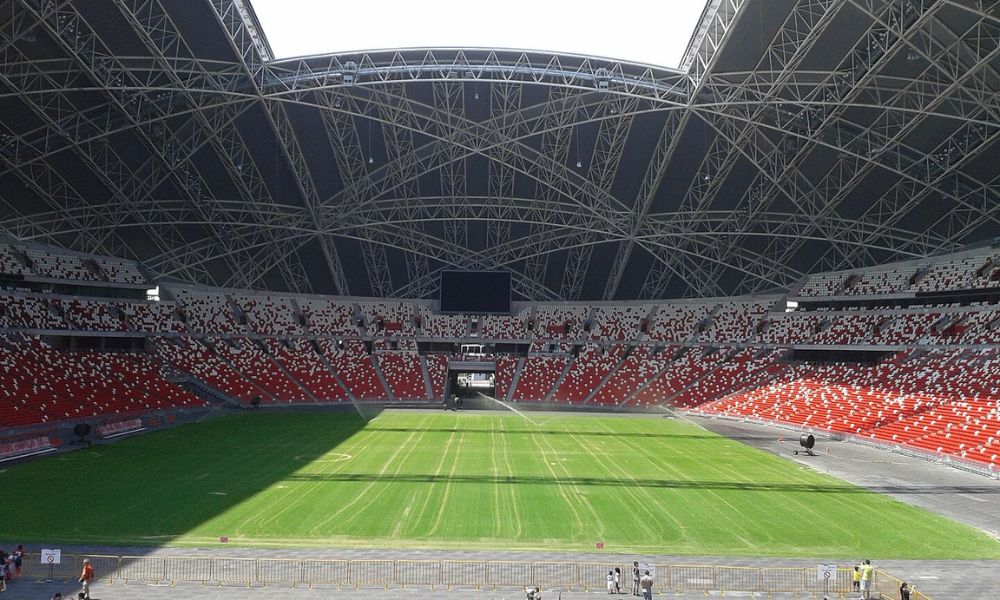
[404, 374]
[437, 372]
[635, 372]
[39, 384]
[538, 376]
[302, 360]
[747, 368]
[257, 366]
[941, 402]
[197, 358]
[678, 373]
[353, 364]
[506, 368]
[587, 372]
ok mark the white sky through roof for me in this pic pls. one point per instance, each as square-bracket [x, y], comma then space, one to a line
[648, 31]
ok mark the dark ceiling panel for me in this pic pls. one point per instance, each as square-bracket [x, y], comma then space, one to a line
[855, 134]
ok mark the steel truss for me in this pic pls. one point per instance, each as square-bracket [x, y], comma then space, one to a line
[409, 157]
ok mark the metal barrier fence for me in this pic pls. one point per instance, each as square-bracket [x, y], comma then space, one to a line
[449, 574]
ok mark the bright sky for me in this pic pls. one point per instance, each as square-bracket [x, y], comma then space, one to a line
[645, 31]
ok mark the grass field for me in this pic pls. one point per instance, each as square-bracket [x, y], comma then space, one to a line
[435, 480]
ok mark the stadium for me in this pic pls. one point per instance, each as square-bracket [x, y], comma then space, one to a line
[472, 320]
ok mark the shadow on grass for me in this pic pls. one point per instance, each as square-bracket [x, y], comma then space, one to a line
[678, 484]
[151, 489]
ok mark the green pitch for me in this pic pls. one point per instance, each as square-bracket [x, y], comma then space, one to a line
[436, 480]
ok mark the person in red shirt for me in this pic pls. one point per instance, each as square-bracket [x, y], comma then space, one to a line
[86, 576]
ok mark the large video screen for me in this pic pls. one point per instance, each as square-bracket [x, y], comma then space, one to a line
[475, 292]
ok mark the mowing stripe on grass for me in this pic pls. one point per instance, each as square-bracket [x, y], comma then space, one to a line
[466, 481]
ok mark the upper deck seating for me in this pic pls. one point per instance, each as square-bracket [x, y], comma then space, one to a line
[560, 321]
[967, 273]
[388, 317]
[506, 327]
[59, 266]
[208, 312]
[328, 317]
[443, 326]
[790, 328]
[678, 322]
[618, 323]
[735, 321]
[269, 315]
[10, 264]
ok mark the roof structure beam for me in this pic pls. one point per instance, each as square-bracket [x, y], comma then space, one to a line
[555, 142]
[484, 139]
[252, 51]
[854, 163]
[295, 223]
[786, 50]
[505, 103]
[155, 28]
[612, 133]
[361, 69]
[710, 38]
[449, 100]
[353, 162]
[526, 165]
[399, 143]
[77, 39]
[122, 181]
[700, 59]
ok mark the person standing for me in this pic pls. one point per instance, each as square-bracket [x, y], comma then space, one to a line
[904, 591]
[611, 582]
[18, 559]
[856, 579]
[635, 578]
[618, 580]
[867, 575]
[8, 568]
[86, 577]
[646, 583]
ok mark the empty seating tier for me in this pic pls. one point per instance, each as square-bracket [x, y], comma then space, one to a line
[40, 384]
[587, 372]
[538, 376]
[404, 374]
[353, 364]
